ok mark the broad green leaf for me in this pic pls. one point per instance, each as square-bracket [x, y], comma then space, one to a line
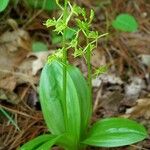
[3, 4]
[39, 46]
[78, 103]
[43, 4]
[125, 22]
[38, 141]
[47, 145]
[51, 142]
[51, 99]
[113, 132]
[66, 141]
[58, 118]
[85, 101]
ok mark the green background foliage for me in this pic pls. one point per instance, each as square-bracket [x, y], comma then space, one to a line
[125, 22]
[3, 5]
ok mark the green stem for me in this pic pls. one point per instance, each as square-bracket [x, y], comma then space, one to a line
[88, 57]
[65, 63]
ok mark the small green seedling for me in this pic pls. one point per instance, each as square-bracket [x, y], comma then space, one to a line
[65, 95]
[125, 22]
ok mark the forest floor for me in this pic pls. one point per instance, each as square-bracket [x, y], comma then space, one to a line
[124, 90]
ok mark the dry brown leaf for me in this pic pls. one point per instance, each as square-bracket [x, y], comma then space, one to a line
[98, 58]
[8, 83]
[111, 100]
[134, 88]
[13, 51]
[15, 39]
[142, 109]
[145, 59]
[14, 48]
[40, 61]
[132, 40]
[8, 96]
[106, 78]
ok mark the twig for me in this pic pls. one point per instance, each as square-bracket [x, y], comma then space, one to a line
[32, 18]
[97, 99]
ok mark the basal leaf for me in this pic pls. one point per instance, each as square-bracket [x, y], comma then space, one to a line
[3, 4]
[51, 98]
[51, 142]
[35, 143]
[85, 101]
[125, 22]
[113, 132]
[66, 141]
[73, 120]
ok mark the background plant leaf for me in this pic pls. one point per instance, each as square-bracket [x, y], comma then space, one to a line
[3, 5]
[39, 46]
[113, 132]
[51, 98]
[43, 4]
[125, 22]
[69, 33]
[47, 145]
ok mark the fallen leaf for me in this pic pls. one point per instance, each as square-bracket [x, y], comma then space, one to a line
[145, 59]
[141, 109]
[8, 83]
[40, 60]
[133, 89]
[8, 96]
[106, 78]
[96, 82]
[13, 51]
[12, 40]
[111, 100]
[98, 58]
[14, 48]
